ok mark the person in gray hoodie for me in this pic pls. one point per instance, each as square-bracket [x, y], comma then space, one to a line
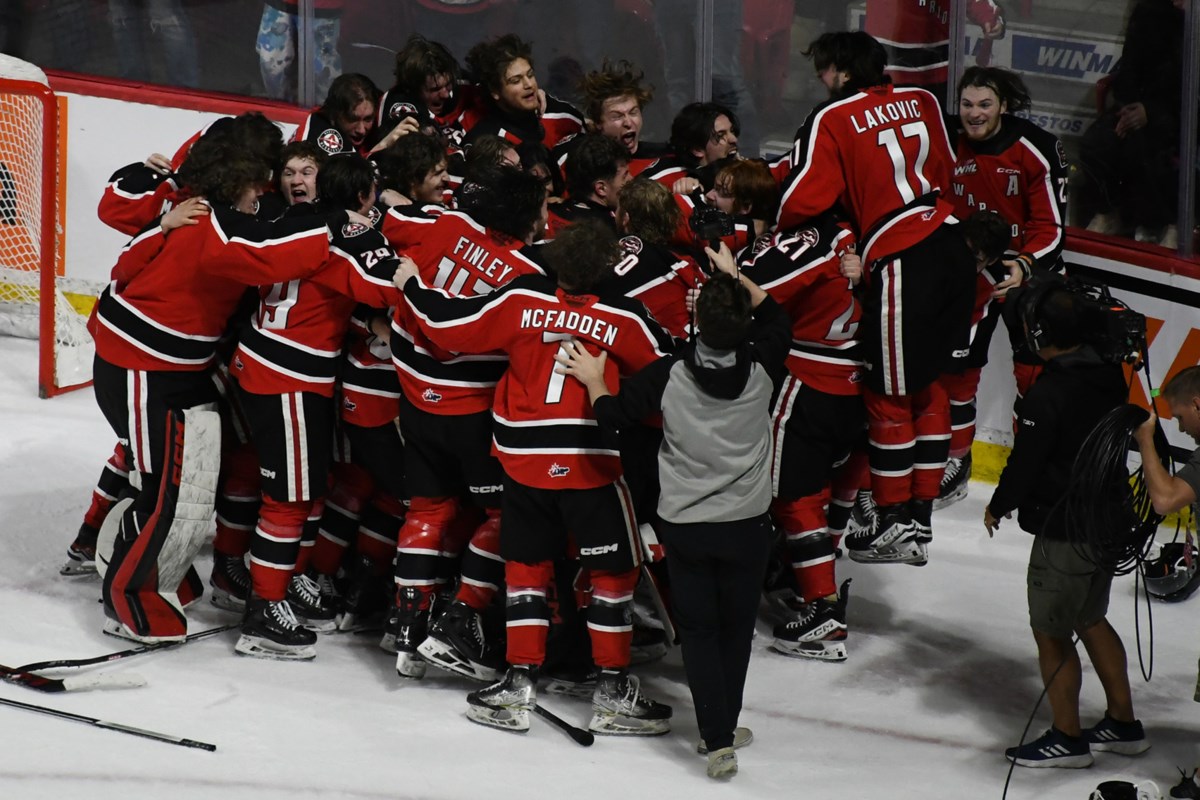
[714, 395]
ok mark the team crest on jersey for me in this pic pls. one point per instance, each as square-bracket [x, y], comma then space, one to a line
[402, 110]
[374, 214]
[354, 229]
[928, 215]
[1062, 153]
[237, 363]
[349, 404]
[761, 243]
[856, 376]
[558, 471]
[330, 141]
[430, 396]
[631, 245]
[809, 236]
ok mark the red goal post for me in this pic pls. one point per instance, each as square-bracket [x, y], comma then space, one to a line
[35, 300]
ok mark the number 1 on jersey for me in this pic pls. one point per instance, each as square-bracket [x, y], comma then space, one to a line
[888, 138]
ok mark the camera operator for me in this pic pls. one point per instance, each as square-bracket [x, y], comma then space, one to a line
[1067, 593]
[1170, 493]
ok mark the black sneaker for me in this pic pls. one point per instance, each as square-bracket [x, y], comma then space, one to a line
[1052, 749]
[820, 633]
[309, 605]
[230, 582]
[620, 709]
[1113, 736]
[954, 481]
[406, 628]
[506, 704]
[271, 630]
[81, 553]
[1187, 788]
[457, 643]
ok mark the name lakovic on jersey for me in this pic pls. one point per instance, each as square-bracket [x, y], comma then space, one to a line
[482, 259]
[884, 113]
[561, 319]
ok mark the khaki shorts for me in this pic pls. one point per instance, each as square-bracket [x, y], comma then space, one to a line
[1067, 593]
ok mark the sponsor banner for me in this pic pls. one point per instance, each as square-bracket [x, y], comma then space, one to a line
[1061, 120]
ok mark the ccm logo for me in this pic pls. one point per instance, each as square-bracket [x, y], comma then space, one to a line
[598, 551]
[266, 473]
[486, 489]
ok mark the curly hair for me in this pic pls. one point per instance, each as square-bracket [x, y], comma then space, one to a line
[620, 79]
[648, 210]
[489, 60]
[406, 163]
[1007, 85]
[582, 255]
[223, 174]
[419, 60]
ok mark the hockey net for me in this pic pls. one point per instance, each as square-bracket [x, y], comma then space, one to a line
[37, 300]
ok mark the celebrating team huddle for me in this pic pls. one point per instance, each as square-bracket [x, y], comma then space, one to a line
[496, 377]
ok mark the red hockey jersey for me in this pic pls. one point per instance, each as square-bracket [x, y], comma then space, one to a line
[560, 121]
[882, 153]
[916, 35]
[545, 433]
[799, 268]
[459, 255]
[169, 302]
[294, 341]
[1021, 174]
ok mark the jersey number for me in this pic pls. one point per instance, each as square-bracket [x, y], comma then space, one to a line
[842, 328]
[273, 314]
[554, 389]
[888, 138]
[451, 277]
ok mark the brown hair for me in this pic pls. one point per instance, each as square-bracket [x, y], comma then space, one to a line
[752, 187]
[649, 210]
[618, 79]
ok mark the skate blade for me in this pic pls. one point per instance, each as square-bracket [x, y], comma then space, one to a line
[621, 725]
[318, 625]
[226, 601]
[950, 499]
[577, 690]
[515, 720]
[445, 657]
[255, 647]
[121, 631]
[75, 569]
[890, 555]
[817, 651]
[410, 665]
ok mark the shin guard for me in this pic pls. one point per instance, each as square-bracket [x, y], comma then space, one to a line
[527, 612]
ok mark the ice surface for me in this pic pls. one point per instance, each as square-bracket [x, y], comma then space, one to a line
[941, 676]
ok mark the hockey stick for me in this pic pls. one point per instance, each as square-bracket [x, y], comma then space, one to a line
[31, 680]
[71, 663]
[581, 737]
[112, 726]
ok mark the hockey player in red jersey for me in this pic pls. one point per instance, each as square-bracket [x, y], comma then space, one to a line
[817, 417]
[596, 172]
[504, 69]
[156, 330]
[427, 86]
[286, 365]
[562, 472]
[882, 153]
[445, 419]
[1008, 165]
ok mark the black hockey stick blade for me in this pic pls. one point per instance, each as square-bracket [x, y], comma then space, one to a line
[112, 726]
[581, 737]
[71, 663]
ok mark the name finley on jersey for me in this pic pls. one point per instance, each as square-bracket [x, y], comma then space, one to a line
[482, 260]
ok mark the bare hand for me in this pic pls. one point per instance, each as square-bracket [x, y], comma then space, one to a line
[1144, 433]
[391, 198]
[1131, 118]
[1016, 274]
[186, 213]
[541, 110]
[407, 269]
[850, 266]
[574, 360]
[159, 163]
[685, 186]
[995, 30]
[992, 523]
[403, 128]
[689, 300]
[723, 260]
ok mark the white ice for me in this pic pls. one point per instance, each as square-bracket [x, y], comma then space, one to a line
[941, 676]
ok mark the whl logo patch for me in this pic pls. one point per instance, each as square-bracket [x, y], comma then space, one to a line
[558, 471]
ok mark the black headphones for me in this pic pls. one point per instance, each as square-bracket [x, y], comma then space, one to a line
[1029, 308]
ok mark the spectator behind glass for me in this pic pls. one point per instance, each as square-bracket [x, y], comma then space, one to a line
[1130, 154]
[169, 23]
[276, 46]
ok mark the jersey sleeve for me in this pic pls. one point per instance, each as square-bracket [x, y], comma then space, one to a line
[259, 253]
[817, 180]
[140, 251]
[134, 196]
[1046, 183]
[361, 270]
[458, 324]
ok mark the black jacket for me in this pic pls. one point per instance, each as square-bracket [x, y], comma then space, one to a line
[1070, 397]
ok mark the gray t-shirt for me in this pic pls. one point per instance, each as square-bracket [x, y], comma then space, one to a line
[1190, 472]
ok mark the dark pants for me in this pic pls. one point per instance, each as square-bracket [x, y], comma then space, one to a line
[717, 571]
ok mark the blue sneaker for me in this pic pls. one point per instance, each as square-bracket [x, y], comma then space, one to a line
[1053, 749]
[1114, 736]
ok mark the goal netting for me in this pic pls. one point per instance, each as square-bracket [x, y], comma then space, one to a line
[37, 299]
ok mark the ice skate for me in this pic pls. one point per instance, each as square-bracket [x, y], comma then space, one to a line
[577, 683]
[230, 582]
[892, 527]
[456, 643]
[365, 596]
[405, 630]
[81, 553]
[820, 634]
[308, 604]
[271, 630]
[954, 482]
[620, 709]
[921, 514]
[506, 704]
[123, 631]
